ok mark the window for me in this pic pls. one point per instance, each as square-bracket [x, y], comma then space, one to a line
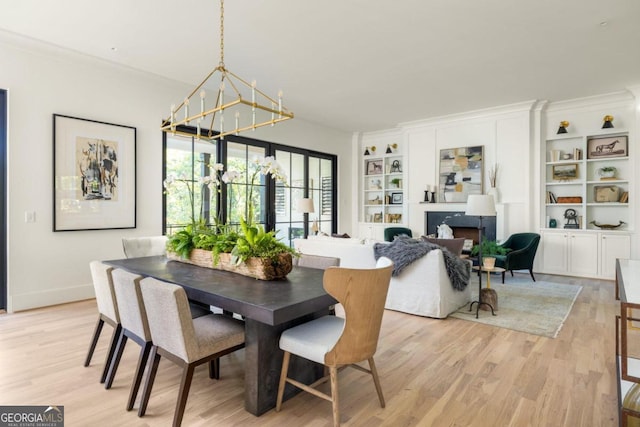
[273, 204]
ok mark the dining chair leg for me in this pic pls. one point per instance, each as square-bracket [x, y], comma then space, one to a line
[94, 341]
[376, 381]
[115, 360]
[137, 379]
[531, 273]
[112, 349]
[503, 277]
[214, 369]
[151, 376]
[334, 395]
[183, 395]
[283, 379]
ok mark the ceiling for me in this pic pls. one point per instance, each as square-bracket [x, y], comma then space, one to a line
[360, 65]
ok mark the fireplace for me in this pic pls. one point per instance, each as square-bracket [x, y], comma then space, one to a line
[461, 224]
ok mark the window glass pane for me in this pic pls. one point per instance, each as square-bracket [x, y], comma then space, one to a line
[187, 162]
[241, 159]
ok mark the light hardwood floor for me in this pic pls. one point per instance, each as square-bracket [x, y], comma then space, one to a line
[434, 373]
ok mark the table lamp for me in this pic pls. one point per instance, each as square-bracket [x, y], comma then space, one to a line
[305, 206]
[480, 205]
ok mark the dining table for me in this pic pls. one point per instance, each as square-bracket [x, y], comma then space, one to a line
[268, 307]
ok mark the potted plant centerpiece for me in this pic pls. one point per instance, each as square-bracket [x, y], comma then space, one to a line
[490, 248]
[247, 250]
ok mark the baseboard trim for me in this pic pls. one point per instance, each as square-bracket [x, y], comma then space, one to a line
[46, 298]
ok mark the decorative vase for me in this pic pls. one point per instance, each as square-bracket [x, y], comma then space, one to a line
[632, 402]
[493, 191]
[488, 262]
[258, 268]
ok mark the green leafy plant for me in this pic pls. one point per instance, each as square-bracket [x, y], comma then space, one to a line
[250, 241]
[489, 248]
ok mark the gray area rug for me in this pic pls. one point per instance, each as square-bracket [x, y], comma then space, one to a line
[538, 308]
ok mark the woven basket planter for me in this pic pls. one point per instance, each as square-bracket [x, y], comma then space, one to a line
[259, 268]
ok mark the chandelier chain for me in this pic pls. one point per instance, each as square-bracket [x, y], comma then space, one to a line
[222, 33]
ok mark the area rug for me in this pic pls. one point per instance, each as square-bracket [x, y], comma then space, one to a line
[538, 308]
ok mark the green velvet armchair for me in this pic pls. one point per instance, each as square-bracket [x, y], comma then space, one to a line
[391, 232]
[523, 251]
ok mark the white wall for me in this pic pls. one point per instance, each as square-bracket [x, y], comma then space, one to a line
[505, 134]
[47, 268]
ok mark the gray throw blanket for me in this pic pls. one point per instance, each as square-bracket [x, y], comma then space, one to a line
[405, 250]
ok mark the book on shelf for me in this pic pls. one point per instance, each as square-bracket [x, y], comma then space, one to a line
[551, 198]
[577, 154]
[624, 198]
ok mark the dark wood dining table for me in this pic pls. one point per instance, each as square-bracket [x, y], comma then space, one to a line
[268, 308]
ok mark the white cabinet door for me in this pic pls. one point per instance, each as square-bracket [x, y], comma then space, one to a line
[554, 250]
[583, 254]
[613, 246]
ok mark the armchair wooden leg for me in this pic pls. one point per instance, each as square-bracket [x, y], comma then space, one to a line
[531, 273]
[334, 395]
[151, 376]
[376, 381]
[503, 277]
[511, 273]
[94, 341]
[283, 379]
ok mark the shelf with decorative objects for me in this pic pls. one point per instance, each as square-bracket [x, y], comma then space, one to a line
[587, 175]
[383, 185]
[587, 180]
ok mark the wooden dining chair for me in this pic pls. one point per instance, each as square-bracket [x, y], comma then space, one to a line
[107, 312]
[185, 341]
[133, 318]
[338, 342]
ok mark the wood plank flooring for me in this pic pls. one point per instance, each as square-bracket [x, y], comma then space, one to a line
[434, 373]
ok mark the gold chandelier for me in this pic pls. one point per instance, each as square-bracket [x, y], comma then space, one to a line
[239, 105]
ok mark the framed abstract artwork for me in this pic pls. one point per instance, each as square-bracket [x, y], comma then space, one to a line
[460, 173]
[94, 175]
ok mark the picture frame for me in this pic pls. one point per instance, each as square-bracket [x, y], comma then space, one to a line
[607, 147]
[564, 172]
[461, 173]
[94, 175]
[396, 198]
[374, 167]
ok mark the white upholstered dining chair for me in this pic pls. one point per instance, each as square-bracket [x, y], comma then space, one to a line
[184, 341]
[107, 312]
[135, 247]
[133, 318]
[339, 342]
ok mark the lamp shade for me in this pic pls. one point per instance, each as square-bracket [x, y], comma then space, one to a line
[306, 206]
[480, 205]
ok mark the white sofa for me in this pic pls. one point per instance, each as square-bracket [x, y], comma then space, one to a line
[423, 288]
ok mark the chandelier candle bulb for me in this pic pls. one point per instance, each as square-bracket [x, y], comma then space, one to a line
[237, 121]
[253, 95]
[273, 115]
[186, 110]
[280, 102]
[202, 96]
[173, 114]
